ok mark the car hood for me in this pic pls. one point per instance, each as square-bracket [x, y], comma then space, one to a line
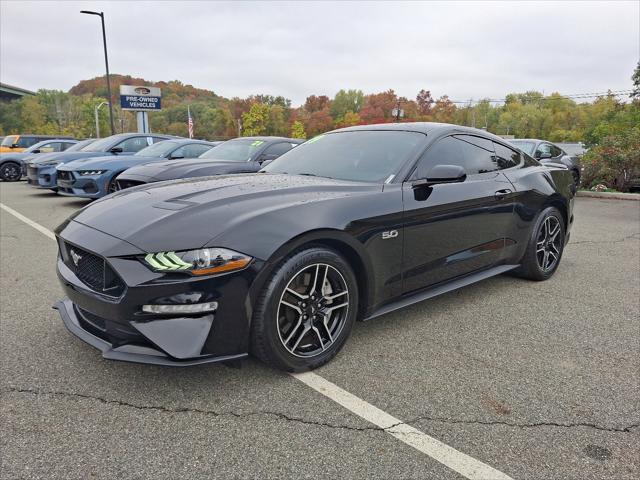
[187, 214]
[63, 157]
[109, 162]
[174, 169]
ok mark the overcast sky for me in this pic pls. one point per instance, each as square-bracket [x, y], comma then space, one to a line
[465, 50]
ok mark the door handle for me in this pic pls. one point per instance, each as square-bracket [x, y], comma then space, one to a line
[500, 194]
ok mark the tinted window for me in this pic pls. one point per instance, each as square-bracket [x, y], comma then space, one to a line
[157, 139]
[506, 157]
[445, 151]
[26, 142]
[194, 150]
[542, 150]
[474, 154]
[66, 145]
[478, 155]
[366, 156]
[555, 151]
[8, 141]
[133, 144]
[277, 149]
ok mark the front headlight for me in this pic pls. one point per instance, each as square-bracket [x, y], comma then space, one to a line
[90, 172]
[50, 163]
[205, 261]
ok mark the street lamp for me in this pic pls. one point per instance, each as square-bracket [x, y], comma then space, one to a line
[106, 62]
[95, 111]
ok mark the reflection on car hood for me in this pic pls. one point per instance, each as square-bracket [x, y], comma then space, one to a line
[173, 169]
[64, 157]
[109, 162]
[186, 214]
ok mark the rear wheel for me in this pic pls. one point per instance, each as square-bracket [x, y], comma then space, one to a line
[306, 311]
[10, 172]
[545, 247]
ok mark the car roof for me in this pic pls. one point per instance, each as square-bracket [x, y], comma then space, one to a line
[190, 140]
[428, 128]
[55, 139]
[267, 138]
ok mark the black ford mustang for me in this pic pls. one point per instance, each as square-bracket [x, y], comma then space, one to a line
[350, 225]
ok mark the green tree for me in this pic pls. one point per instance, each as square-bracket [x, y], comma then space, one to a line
[345, 101]
[297, 130]
[254, 122]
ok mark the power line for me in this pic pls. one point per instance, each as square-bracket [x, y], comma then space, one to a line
[610, 93]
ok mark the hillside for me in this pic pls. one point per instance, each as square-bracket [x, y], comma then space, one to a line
[173, 92]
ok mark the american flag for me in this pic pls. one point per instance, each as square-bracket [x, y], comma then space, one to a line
[190, 123]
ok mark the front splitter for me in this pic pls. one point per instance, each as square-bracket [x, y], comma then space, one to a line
[128, 353]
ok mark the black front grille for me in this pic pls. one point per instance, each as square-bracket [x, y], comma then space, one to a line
[122, 184]
[93, 271]
[64, 175]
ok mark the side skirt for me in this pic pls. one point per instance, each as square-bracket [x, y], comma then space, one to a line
[410, 299]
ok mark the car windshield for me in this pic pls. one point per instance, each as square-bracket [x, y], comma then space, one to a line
[100, 145]
[526, 146]
[363, 156]
[8, 141]
[240, 150]
[160, 149]
[76, 147]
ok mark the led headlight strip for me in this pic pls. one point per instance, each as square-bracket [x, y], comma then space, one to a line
[205, 261]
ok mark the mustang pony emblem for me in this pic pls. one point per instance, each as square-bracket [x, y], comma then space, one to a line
[75, 257]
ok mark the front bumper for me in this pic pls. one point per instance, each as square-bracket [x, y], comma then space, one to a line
[90, 186]
[42, 177]
[128, 352]
[113, 321]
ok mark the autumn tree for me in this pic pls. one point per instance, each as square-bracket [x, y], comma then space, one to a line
[315, 103]
[424, 100]
[254, 122]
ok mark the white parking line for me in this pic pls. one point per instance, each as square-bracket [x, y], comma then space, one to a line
[465, 465]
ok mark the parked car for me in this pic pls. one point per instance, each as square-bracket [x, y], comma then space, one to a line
[19, 143]
[95, 177]
[240, 155]
[13, 166]
[42, 173]
[547, 152]
[352, 224]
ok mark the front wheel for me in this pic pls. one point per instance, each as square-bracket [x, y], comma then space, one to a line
[10, 172]
[545, 247]
[306, 311]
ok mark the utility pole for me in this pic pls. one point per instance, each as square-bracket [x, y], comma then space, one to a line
[106, 63]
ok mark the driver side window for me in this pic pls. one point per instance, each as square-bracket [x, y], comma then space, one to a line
[445, 151]
[474, 154]
[134, 144]
[543, 150]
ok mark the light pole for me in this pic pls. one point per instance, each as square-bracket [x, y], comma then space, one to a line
[95, 111]
[106, 62]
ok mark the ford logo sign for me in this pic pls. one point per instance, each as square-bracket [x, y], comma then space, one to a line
[142, 90]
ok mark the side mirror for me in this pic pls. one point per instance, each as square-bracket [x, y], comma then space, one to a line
[116, 150]
[265, 163]
[541, 155]
[14, 145]
[442, 174]
[37, 150]
[178, 157]
[266, 157]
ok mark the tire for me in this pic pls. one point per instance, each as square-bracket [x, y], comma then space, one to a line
[310, 328]
[545, 243]
[112, 187]
[10, 172]
[576, 177]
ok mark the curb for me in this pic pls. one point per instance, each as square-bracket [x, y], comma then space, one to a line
[609, 195]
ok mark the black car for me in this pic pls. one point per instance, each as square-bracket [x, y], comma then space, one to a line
[350, 225]
[547, 152]
[240, 155]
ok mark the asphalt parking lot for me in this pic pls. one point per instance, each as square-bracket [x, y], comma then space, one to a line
[536, 380]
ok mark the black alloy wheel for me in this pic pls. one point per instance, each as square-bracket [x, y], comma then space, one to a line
[306, 311]
[10, 172]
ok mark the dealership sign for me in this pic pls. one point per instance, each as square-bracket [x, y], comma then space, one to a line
[140, 98]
